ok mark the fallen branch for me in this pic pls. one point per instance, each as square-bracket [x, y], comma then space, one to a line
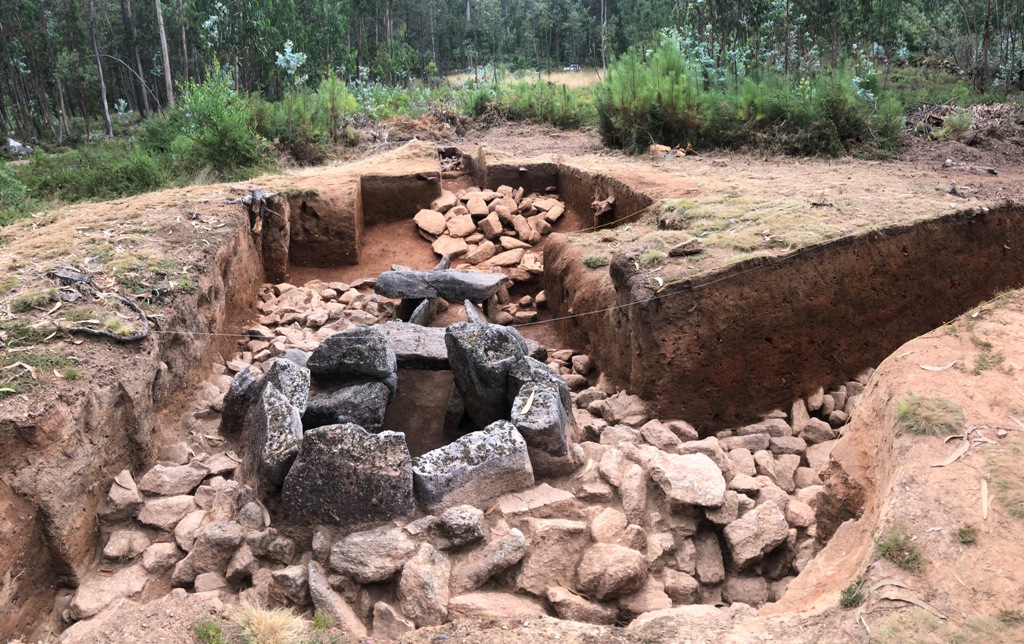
[141, 334]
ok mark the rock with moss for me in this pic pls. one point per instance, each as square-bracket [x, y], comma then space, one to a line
[475, 469]
[346, 476]
[481, 356]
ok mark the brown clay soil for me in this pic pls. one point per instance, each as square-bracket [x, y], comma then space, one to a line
[750, 204]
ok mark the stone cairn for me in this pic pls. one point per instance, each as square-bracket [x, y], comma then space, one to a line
[634, 514]
[495, 231]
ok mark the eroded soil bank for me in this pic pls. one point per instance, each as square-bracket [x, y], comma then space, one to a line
[723, 346]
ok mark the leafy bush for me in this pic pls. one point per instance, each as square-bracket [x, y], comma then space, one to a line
[218, 126]
[102, 171]
[853, 595]
[14, 199]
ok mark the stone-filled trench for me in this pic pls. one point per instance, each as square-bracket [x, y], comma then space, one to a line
[387, 453]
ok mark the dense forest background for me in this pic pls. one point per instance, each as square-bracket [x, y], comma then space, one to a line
[81, 58]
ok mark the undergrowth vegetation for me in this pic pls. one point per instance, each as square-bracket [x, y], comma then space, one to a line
[663, 97]
[897, 546]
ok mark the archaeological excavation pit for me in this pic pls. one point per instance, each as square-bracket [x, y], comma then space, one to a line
[410, 428]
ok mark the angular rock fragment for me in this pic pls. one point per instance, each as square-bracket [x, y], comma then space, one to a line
[214, 546]
[174, 480]
[556, 546]
[476, 468]
[99, 592]
[388, 623]
[164, 513]
[569, 605]
[345, 476]
[498, 555]
[363, 404]
[691, 479]
[237, 400]
[755, 534]
[415, 346]
[373, 555]
[358, 353]
[607, 571]
[423, 587]
[290, 379]
[123, 501]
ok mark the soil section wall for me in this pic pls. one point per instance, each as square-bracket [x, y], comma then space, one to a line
[726, 346]
[58, 456]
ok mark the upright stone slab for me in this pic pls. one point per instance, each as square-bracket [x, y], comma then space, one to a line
[363, 404]
[274, 434]
[417, 347]
[237, 401]
[358, 353]
[452, 285]
[538, 414]
[481, 356]
[475, 469]
[346, 476]
[290, 379]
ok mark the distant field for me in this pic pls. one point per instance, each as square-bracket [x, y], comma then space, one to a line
[585, 77]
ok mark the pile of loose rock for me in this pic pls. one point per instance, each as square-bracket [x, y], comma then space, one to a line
[647, 514]
[488, 227]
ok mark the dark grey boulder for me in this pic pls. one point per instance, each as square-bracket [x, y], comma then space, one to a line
[274, 434]
[363, 404]
[415, 346]
[290, 379]
[358, 353]
[481, 356]
[454, 412]
[346, 476]
[452, 285]
[237, 401]
[538, 414]
[475, 469]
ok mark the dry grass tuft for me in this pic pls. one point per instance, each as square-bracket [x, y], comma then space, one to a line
[914, 627]
[263, 626]
[1004, 467]
[929, 416]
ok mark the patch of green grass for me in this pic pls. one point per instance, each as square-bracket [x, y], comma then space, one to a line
[651, 259]
[117, 326]
[967, 535]
[81, 314]
[7, 285]
[21, 334]
[9, 389]
[929, 416]
[322, 621]
[28, 301]
[209, 631]
[72, 374]
[595, 261]
[896, 546]
[46, 360]
[853, 595]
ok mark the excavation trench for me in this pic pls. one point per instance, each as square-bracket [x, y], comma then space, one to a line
[719, 350]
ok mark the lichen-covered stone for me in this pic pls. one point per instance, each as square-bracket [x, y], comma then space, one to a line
[274, 434]
[363, 404]
[476, 468]
[290, 379]
[481, 356]
[346, 476]
[358, 353]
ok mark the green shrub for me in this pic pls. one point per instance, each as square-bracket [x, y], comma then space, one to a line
[967, 535]
[896, 546]
[209, 631]
[105, 170]
[218, 126]
[595, 261]
[14, 199]
[853, 595]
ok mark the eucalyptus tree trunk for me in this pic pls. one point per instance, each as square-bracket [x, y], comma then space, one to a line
[168, 83]
[99, 69]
